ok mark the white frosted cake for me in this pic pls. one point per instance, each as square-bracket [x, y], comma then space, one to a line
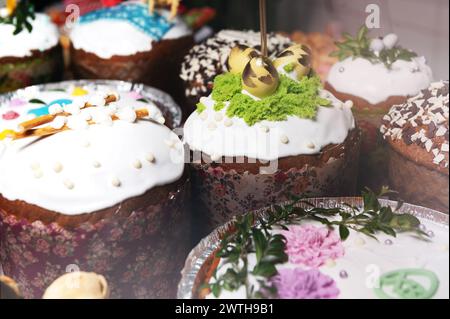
[28, 56]
[91, 178]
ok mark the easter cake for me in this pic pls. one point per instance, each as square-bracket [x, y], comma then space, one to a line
[91, 180]
[375, 74]
[324, 249]
[417, 133]
[208, 59]
[131, 42]
[29, 51]
[267, 132]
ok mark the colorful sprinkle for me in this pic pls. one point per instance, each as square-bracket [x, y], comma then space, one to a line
[44, 110]
[17, 102]
[78, 91]
[10, 115]
[343, 274]
[6, 133]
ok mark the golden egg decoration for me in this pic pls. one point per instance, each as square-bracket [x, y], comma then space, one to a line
[239, 57]
[297, 58]
[260, 78]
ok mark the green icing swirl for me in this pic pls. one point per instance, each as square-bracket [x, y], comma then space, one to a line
[292, 98]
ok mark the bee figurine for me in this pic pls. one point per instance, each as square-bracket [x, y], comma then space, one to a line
[296, 58]
[260, 78]
[239, 57]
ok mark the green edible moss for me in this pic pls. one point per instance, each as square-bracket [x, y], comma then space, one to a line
[291, 99]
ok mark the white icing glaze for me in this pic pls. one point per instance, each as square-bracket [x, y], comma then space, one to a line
[363, 262]
[267, 140]
[376, 83]
[106, 37]
[91, 167]
[44, 36]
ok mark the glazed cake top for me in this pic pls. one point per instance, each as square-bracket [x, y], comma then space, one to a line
[384, 70]
[293, 115]
[125, 29]
[422, 122]
[208, 59]
[102, 148]
[43, 36]
[322, 266]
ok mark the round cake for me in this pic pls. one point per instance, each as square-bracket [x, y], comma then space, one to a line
[208, 59]
[91, 181]
[288, 255]
[375, 74]
[248, 151]
[418, 138]
[126, 42]
[30, 56]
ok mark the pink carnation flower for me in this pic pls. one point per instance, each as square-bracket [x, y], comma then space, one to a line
[312, 246]
[304, 284]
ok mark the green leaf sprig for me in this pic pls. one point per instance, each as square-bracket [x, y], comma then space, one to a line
[20, 17]
[251, 236]
[359, 46]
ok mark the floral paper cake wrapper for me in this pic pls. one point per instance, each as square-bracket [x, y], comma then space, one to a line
[201, 257]
[140, 254]
[221, 194]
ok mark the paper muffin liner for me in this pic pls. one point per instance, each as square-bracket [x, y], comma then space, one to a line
[198, 263]
[41, 67]
[140, 254]
[220, 193]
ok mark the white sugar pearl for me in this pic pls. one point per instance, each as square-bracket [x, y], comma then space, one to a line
[360, 242]
[390, 40]
[98, 100]
[127, 114]
[376, 45]
[161, 120]
[96, 164]
[69, 184]
[115, 182]
[59, 122]
[348, 104]
[35, 166]
[55, 109]
[228, 122]
[150, 158]
[212, 126]
[218, 117]
[340, 105]
[137, 164]
[284, 139]
[204, 115]
[171, 143]
[57, 167]
[38, 173]
[311, 145]
[265, 128]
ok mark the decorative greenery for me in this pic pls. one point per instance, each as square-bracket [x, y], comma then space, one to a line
[20, 17]
[359, 46]
[200, 108]
[291, 98]
[256, 238]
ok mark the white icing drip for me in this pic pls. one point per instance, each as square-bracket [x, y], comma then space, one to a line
[376, 83]
[44, 36]
[362, 261]
[95, 165]
[106, 37]
[277, 140]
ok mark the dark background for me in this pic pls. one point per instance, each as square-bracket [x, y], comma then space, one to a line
[236, 14]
